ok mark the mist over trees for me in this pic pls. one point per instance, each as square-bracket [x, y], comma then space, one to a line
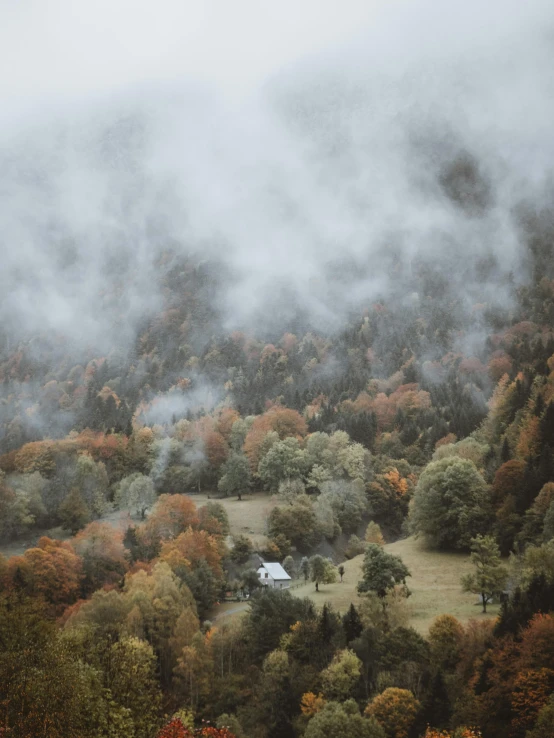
[296, 252]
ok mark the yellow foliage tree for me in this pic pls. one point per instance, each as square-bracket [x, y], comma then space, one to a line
[310, 704]
[395, 710]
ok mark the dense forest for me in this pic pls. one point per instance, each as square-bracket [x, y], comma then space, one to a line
[447, 445]
[338, 301]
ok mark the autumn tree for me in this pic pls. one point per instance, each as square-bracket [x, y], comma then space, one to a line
[216, 449]
[210, 512]
[489, 577]
[190, 548]
[388, 495]
[531, 690]
[508, 480]
[445, 640]
[177, 729]
[395, 710]
[133, 684]
[51, 570]
[278, 423]
[171, 515]
[193, 672]
[544, 725]
[311, 703]
[373, 534]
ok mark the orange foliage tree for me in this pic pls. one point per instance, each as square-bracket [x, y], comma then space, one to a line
[191, 547]
[537, 643]
[528, 444]
[36, 456]
[52, 570]
[176, 729]
[310, 704]
[284, 421]
[397, 482]
[395, 710]
[216, 448]
[225, 419]
[170, 516]
[532, 689]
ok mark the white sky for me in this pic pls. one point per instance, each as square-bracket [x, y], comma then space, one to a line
[61, 48]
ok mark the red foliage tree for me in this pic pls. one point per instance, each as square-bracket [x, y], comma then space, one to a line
[176, 729]
[508, 480]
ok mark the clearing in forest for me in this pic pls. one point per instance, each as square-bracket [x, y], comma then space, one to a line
[435, 585]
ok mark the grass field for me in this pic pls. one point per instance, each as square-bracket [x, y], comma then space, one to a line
[247, 516]
[435, 585]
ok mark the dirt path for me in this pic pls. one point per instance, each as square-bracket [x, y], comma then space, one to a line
[228, 608]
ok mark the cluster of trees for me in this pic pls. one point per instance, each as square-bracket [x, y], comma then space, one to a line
[190, 541]
[499, 480]
[136, 660]
[105, 634]
[326, 483]
[363, 379]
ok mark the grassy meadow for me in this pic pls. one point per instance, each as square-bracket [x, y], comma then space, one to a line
[435, 585]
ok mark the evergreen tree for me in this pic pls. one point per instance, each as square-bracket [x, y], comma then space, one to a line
[352, 624]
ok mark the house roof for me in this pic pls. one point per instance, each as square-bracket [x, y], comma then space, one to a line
[275, 571]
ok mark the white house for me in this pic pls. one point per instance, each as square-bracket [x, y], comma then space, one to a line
[273, 575]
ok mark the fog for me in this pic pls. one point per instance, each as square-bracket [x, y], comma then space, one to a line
[319, 153]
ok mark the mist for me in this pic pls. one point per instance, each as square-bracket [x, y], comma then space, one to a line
[318, 155]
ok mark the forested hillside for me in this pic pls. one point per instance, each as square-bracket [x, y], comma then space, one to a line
[298, 309]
